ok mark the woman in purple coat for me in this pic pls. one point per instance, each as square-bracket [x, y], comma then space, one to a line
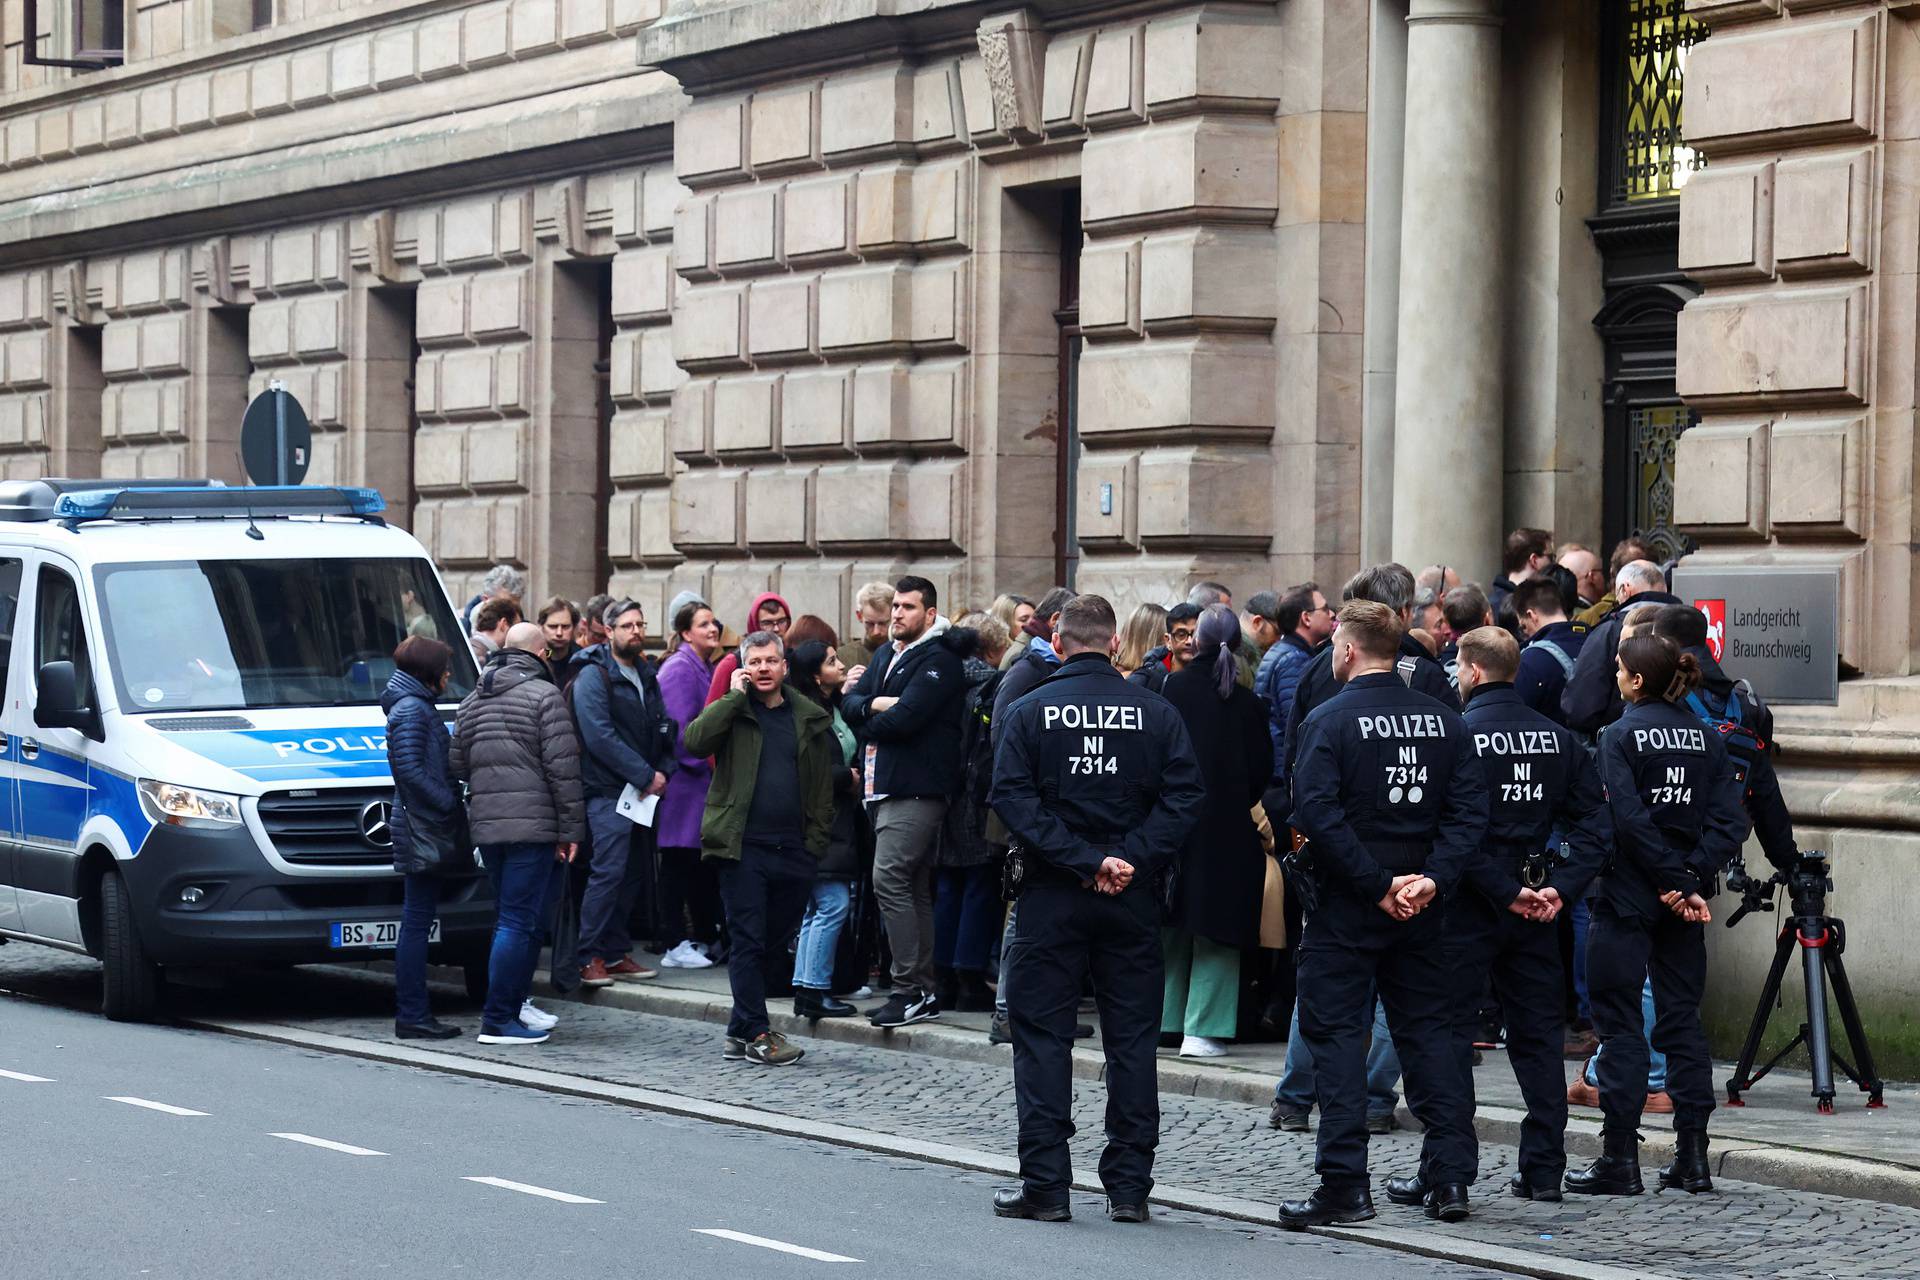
[689, 889]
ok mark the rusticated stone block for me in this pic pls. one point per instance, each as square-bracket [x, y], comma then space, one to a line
[1783, 83]
[637, 446]
[1823, 210]
[783, 129]
[499, 304]
[268, 89]
[660, 372]
[940, 305]
[779, 508]
[484, 35]
[1199, 168]
[643, 284]
[1213, 59]
[653, 531]
[879, 405]
[661, 194]
[534, 26]
[937, 403]
[1204, 498]
[706, 325]
[582, 21]
[936, 505]
[883, 203]
[439, 46]
[934, 117]
[939, 213]
[744, 228]
[1726, 222]
[1067, 60]
[1816, 477]
[623, 366]
[26, 359]
[1114, 90]
[709, 140]
[692, 423]
[867, 308]
[813, 412]
[23, 297]
[866, 112]
[494, 454]
[706, 509]
[693, 238]
[350, 68]
[1212, 278]
[1720, 471]
[393, 58]
[780, 317]
[1803, 345]
[746, 415]
[440, 310]
[859, 504]
[1110, 287]
[818, 224]
[1106, 501]
[1167, 387]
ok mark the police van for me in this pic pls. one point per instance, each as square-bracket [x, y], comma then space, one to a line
[193, 767]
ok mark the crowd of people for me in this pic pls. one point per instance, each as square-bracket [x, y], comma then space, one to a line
[833, 819]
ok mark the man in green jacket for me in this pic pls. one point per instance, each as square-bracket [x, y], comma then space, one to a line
[768, 817]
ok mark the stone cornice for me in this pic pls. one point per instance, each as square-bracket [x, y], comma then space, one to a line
[714, 48]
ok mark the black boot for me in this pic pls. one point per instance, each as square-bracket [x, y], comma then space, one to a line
[1615, 1173]
[1448, 1202]
[972, 994]
[803, 1002]
[1327, 1206]
[1409, 1190]
[1521, 1187]
[1689, 1171]
[1012, 1202]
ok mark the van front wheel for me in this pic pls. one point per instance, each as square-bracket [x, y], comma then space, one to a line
[133, 984]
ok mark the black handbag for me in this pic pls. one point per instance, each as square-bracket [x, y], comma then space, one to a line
[443, 848]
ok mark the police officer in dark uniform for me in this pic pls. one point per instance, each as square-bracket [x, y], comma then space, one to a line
[1540, 785]
[1097, 782]
[1394, 808]
[1678, 821]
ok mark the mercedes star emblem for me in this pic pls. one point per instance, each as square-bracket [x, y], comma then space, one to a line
[376, 824]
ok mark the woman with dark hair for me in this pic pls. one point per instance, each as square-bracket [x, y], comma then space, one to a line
[689, 888]
[424, 799]
[1222, 872]
[817, 672]
[1677, 821]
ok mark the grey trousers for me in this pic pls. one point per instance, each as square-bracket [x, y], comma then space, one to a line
[906, 833]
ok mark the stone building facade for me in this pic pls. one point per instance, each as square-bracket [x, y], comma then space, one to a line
[654, 294]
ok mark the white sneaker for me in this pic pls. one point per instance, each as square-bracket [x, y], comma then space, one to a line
[693, 955]
[538, 1019]
[1202, 1047]
[670, 958]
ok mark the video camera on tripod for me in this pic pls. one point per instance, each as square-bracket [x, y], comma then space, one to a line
[1822, 940]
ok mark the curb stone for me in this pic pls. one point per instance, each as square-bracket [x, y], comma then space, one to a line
[1787, 1167]
[1397, 1239]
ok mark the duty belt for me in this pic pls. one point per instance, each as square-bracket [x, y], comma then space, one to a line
[1532, 865]
[1398, 856]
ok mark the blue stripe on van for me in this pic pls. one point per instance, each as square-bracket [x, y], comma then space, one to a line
[291, 756]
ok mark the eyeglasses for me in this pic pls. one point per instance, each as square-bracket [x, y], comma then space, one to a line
[639, 625]
[1182, 634]
[1321, 608]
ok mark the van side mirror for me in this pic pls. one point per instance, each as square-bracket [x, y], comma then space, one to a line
[58, 703]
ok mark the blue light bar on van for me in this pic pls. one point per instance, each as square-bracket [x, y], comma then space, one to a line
[155, 501]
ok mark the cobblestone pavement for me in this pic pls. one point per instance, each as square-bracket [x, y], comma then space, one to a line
[1743, 1231]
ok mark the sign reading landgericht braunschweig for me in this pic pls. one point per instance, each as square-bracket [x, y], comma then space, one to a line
[1775, 627]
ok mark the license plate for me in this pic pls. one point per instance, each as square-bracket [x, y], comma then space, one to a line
[372, 933]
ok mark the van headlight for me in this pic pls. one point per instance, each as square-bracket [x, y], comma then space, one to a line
[187, 807]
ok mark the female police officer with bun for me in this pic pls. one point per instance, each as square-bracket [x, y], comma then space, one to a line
[1677, 820]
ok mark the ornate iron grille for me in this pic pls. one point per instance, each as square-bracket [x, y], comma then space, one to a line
[1654, 160]
[1652, 433]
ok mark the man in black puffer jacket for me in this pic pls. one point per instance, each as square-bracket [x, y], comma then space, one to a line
[514, 743]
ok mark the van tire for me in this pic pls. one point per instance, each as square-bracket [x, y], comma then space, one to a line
[133, 983]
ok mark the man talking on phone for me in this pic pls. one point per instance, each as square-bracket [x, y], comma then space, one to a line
[1097, 782]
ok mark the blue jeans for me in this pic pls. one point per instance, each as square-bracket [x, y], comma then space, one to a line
[1656, 1060]
[417, 910]
[1007, 942]
[622, 868]
[1297, 1086]
[820, 934]
[1581, 917]
[521, 874]
[966, 907]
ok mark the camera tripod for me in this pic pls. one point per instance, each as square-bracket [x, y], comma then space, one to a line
[1821, 940]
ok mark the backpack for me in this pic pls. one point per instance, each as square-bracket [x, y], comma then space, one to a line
[1555, 652]
[1742, 740]
[1406, 666]
[968, 823]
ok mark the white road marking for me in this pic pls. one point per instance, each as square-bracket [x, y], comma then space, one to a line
[526, 1189]
[801, 1251]
[158, 1106]
[23, 1077]
[342, 1147]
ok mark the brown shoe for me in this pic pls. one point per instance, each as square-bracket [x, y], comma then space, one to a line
[625, 967]
[596, 975]
[1579, 1044]
[1582, 1094]
[770, 1049]
[1659, 1104]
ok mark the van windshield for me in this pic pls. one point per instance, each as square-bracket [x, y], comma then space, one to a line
[206, 635]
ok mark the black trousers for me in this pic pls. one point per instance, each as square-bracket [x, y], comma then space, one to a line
[766, 893]
[1622, 952]
[1348, 947]
[1523, 961]
[1064, 931]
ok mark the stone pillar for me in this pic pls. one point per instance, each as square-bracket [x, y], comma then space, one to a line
[1448, 459]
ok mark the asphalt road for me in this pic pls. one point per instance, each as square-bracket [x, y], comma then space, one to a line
[159, 1151]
